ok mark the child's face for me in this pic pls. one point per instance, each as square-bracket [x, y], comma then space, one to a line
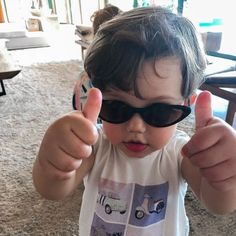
[160, 84]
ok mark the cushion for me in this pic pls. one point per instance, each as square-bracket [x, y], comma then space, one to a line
[84, 32]
[26, 42]
[12, 30]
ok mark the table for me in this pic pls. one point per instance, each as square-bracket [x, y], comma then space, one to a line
[8, 69]
[223, 85]
[84, 46]
[85, 34]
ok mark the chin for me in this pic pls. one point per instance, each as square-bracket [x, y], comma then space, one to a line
[135, 155]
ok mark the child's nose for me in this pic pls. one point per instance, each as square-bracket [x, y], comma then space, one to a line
[136, 124]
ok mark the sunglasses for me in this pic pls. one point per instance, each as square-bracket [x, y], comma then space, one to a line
[156, 114]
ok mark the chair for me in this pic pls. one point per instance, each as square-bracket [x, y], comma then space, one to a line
[223, 85]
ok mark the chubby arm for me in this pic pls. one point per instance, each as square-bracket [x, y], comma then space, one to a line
[65, 155]
[209, 163]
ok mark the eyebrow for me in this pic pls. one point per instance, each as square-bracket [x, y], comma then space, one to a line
[163, 97]
[114, 96]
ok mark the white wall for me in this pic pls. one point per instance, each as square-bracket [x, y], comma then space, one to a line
[17, 10]
[124, 5]
[88, 7]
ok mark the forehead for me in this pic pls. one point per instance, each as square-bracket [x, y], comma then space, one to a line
[160, 77]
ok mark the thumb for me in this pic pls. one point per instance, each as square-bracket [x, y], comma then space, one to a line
[93, 105]
[203, 110]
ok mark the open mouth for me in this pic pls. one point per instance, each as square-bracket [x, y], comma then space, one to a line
[135, 146]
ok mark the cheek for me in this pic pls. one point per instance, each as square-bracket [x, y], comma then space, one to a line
[113, 132]
[156, 137]
[161, 136]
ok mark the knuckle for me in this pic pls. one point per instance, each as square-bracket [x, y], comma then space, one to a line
[62, 167]
[85, 151]
[64, 119]
[200, 161]
[70, 165]
[62, 175]
[221, 186]
[210, 174]
[69, 117]
[92, 137]
[222, 128]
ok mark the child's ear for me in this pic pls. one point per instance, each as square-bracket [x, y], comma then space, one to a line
[191, 100]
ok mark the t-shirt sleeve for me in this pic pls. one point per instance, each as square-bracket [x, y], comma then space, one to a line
[182, 139]
[174, 149]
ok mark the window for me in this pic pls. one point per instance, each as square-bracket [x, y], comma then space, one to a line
[210, 12]
[129, 4]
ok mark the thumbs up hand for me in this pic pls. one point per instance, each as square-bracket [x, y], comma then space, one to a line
[68, 141]
[212, 148]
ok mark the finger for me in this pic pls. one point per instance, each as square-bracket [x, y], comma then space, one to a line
[224, 185]
[220, 172]
[70, 125]
[65, 162]
[208, 157]
[69, 146]
[93, 105]
[201, 141]
[56, 173]
[57, 165]
[203, 110]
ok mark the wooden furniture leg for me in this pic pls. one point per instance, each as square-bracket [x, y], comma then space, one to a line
[230, 112]
[8, 69]
[226, 93]
[3, 88]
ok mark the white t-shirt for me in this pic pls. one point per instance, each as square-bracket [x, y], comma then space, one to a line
[135, 196]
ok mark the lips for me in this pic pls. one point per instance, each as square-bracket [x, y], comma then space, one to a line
[135, 147]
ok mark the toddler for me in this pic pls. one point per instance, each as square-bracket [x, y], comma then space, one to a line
[145, 66]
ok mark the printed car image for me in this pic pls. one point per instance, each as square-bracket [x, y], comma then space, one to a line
[111, 204]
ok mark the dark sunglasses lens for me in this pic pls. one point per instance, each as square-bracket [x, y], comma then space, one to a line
[115, 112]
[157, 115]
[163, 115]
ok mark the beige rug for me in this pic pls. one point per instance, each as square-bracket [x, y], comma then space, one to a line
[36, 97]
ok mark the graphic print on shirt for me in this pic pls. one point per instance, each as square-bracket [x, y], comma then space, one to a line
[127, 208]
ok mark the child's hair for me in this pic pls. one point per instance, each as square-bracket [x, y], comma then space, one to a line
[103, 15]
[124, 43]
